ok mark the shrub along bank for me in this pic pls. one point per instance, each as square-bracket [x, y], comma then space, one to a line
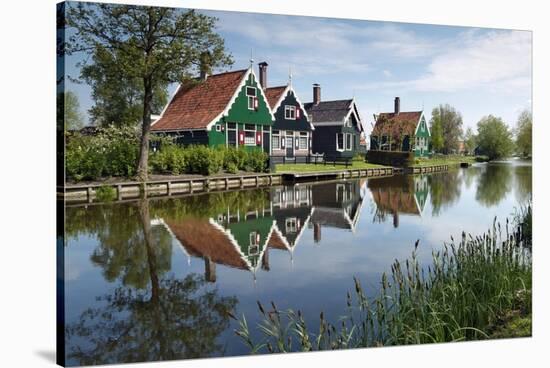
[114, 152]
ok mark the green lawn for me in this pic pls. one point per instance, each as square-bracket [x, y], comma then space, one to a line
[445, 160]
[320, 167]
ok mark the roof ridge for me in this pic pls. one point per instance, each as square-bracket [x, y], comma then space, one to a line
[228, 72]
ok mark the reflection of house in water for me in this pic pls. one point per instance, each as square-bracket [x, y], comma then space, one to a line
[400, 194]
[336, 205]
[237, 240]
[291, 211]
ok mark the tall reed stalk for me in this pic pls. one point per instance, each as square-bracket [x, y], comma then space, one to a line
[467, 287]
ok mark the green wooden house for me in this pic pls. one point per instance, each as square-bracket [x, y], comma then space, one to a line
[401, 131]
[226, 109]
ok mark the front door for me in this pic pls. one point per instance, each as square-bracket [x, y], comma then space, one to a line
[267, 142]
[232, 137]
[289, 146]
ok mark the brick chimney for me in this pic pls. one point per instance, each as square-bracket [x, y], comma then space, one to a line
[205, 65]
[397, 106]
[263, 74]
[316, 93]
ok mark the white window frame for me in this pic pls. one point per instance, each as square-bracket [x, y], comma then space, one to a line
[290, 112]
[349, 142]
[251, 97]
[303, 138]
[291, 225]
[275, 137]
[343, 142]
[253, 136]
[218, 128]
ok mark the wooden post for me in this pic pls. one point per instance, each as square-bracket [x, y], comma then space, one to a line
[190, 186]
[119, 192]
[169, 188]
[241, 182]
[89, 191]
[226, 183]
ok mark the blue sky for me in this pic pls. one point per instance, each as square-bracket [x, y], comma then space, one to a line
[478, 71]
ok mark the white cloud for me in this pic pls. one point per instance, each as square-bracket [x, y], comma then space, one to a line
[318, 45]
[498, 60]
[387, 73]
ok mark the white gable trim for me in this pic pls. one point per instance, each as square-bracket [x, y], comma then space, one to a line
[287, 90]
[236, 94]
[418, 125]
[353, 110]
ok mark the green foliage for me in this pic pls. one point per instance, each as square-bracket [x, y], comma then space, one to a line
[524, 131]
[470, 141]
[482, 158]
[145, 48]
[105, 193]
[170, 159]
[112, 152]
[437, 135]
[234, 159]
[467, 288]
[203, 160]
[117, 100]
[256, 161]
[68, 111]
[447, 120]
[494, 137]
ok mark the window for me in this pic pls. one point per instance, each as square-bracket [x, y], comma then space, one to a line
[254, 246]
[275, 140]
[290, 112]
[302, 144]
[348, 142]
[249, 135]
[251, 94]
[218, 128]
[290, 225]
[339, 141]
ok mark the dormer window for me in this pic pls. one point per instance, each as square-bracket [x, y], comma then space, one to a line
[251, 95]
[290, 112]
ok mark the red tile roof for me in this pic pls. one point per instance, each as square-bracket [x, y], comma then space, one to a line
[194, 106]
[202, 239]
[403, 123]
[273, 95]
[276, 242]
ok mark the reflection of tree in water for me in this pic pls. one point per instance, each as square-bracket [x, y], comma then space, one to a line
[470, 175]
[444, 190]
[523, 182]
[149, 317]
[494, 183]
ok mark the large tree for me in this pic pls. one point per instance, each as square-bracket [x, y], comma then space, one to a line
[494, 138]
[117, 101]
[470, 141]
[153, 44]
[524, 134]
[436, 131]
[450, 121]
[68, 111]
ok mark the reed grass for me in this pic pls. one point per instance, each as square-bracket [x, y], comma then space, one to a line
[469, 285]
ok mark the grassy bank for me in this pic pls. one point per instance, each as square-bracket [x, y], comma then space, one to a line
[477, 288]
[298, 168]
[451, 160]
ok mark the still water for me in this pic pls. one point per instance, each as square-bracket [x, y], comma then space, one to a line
[155, 279]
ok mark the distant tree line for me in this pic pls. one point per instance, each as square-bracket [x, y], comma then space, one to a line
[494, 138]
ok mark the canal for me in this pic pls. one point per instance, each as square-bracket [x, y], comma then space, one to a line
[156, 279]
